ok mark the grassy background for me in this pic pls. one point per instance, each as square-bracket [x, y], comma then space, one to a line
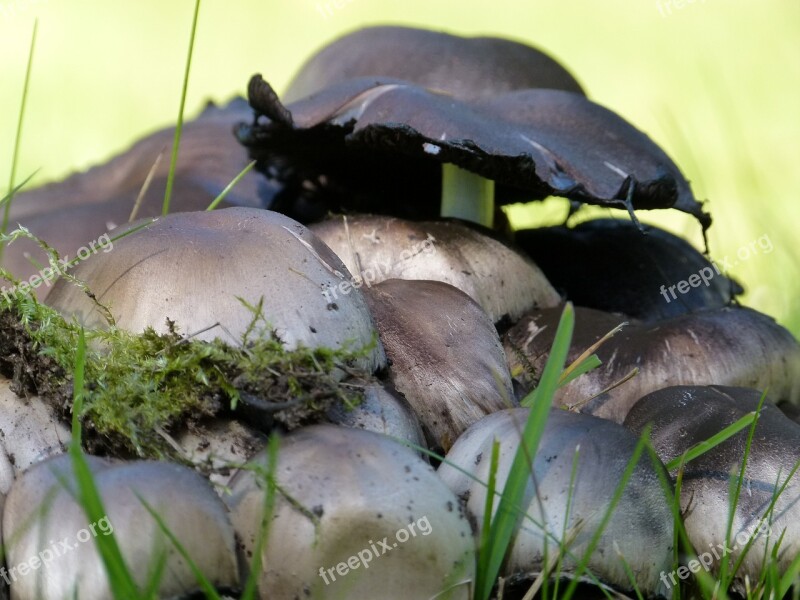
[716, 82]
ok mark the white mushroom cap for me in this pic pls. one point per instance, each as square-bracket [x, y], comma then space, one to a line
[375, 248]
[364, 489]
[29, 433]
[640, 528]
[446, 357]
[193, 267]
[40, 513]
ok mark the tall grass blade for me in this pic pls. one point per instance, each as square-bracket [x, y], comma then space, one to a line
[230, 186]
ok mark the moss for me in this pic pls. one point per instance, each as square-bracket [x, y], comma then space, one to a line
[139, 387]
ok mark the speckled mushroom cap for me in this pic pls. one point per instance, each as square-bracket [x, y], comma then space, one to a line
[465, 68]
[499, 278]
[612, 265]
[683, 416]
[376, 144]
[726, 346]
[193, 267]
[39, 510]
[445, 355]
[349, 495]
[640, 528]
[76, 211]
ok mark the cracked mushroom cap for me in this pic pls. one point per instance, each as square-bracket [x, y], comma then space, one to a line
[360, 509]
[725, 346]
[39, 510]
[445, 355]
[462, 67]
[612, 265]
[496, 276]
[372, 138]
[29, 433]
[71, 213]
[640, 527]
[683, 416]
[192, 268]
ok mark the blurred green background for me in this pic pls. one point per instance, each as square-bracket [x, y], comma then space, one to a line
[715, 82]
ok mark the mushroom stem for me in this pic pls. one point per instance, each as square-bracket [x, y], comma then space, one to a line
[467, 196]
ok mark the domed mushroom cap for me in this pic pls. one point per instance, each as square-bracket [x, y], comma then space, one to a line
[367, 519]
[640, 528]
[445, 355]
[39, 510]
[682, 416]
[611, 265]
[726, 346]
[76, 211]
[370, 137]
[192, 268]
[500, 279]
[29, 433]
[466, 68]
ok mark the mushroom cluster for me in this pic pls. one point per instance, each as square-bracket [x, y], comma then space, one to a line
[372, 236]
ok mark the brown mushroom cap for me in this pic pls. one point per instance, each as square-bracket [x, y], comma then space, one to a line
[472, 259]
[611, 265]
[466, 68]
[683, 416]
[193, 267]
[444, 352]
[71, 213]
[726, 346]
[640, 528]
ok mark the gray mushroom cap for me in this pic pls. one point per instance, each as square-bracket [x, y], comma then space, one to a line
[375, 248]
[682, 416]
[726, 346]
[640, 528]
[343, 492]
[445, 355]
[39, 510]
[466, 68]
[193, 267]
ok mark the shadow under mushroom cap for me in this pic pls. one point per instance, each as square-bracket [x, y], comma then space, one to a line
[383, 137]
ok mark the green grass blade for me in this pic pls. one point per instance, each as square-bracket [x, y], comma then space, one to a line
[8, 197]
[173, 162]
[715, 440]
[488, 508]
[569, 375]
[18, 138]
[507, 517]
[230, 186]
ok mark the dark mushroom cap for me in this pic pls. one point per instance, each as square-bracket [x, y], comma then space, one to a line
[483, 266]
[465, 68]
[73, 212]
[726, 346]
[683, 416]
[444, 352]
[370, 138]
[640, 528]
[611, 265]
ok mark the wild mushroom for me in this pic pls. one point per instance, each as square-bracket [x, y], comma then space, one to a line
[682, 416]
[608, 264]
[487, 269]
[193, 268]
[725, 346]
[444, 353]
[357, 515]
[382, 136]
[73, 212]
[465, 68]
[29, 433]
[574, 476]
[39, 510]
